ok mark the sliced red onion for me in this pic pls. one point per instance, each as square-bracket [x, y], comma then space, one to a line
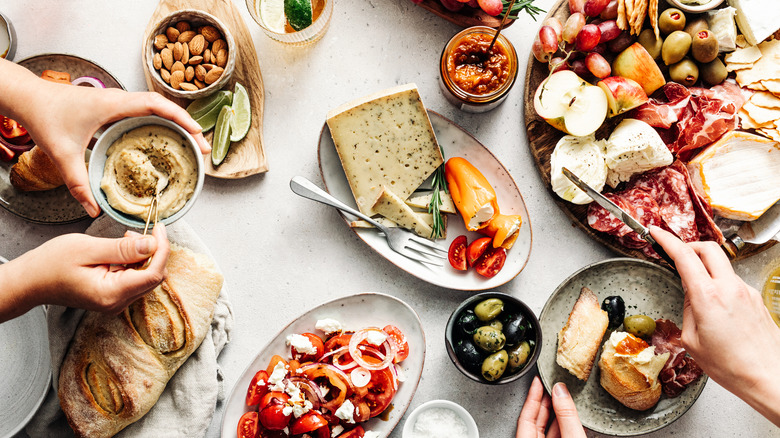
[89, 80]
[360, 377]
[18, 148]
[340, 373]
[312, 390]
[337, 360]
[394, 372]
[357, 354]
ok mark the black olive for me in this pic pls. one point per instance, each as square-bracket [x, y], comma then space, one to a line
[467, 324]
[616, 310]
[515, 329]
[468, 355]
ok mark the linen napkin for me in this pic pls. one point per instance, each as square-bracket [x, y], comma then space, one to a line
[186, 406]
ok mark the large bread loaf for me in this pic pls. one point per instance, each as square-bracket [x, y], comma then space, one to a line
[118, 365]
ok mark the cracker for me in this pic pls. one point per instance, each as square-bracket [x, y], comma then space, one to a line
[772, 85]
[747, 55]
[622, 21]
[761, 115]
[653, 13]
[747, 122]
[774, 134]
[765, 100]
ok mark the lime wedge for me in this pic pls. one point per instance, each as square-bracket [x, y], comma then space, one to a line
[242, 113]
[299, 13]
[221, 140]
[200, 107]
[272, 14]
[207, 116]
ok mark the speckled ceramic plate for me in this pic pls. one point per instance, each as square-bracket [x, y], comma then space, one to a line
[51, 206]
[647, 289]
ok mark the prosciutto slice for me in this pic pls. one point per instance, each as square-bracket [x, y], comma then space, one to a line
[680, 369]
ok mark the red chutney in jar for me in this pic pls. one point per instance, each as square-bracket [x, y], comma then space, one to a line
[473, 70]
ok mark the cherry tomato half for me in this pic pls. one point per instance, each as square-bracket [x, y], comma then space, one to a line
[476, 249]
[13, 131]
[306, 357]
[400, 341]
[491, 262]
[247, 425]
[380, 391]
[274, 360]
[357, 432]
[308, 422]
[273, 397]
[257, 388]
[338, 341]
[272, 416]
[457, 253]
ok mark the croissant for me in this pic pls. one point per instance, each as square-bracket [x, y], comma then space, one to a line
[35, 172]
[117, 366]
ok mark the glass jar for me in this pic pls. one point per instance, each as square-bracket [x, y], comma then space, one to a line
[269, 14]
[771, 292]
[7, 39]
[470, 78]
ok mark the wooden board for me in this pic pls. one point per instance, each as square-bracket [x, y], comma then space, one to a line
[542, 139]
[466, 17]
[246, 157]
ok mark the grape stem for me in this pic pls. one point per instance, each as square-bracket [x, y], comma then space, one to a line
[562, 48]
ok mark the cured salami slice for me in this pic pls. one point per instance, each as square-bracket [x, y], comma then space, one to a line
[670, 190]
[705, 223]
[680, 369]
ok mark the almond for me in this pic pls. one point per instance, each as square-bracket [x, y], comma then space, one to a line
[177, 78]
[210, 33]
[167, 57]
[177, 66]
[177, 51]
[187, 36]
[183, 26]
[166, 75]
[222, 58]
[169, 46]
[186, 86]
[213, 75]
[172, 33]
[200, 73]
[189, 73]
[207, 56]
[160, 41]
[197, 44]
[185, 53]
[199, 84]
[218, 45]
[195, 60]
[213, 57]
[208, 66]
[157, 61]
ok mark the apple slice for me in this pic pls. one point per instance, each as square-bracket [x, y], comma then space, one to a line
[570, 104]
[637, 64]
[623, 94]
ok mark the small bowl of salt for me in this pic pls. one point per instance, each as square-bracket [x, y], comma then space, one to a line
[440, 419]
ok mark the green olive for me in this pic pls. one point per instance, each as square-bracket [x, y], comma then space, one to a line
[489, 309]
[641, 326]
[489, 339]
[675, 47]
[518, 355]
[684, 72]
[652, 44]
[696, 25]
[496, 324]
[671, 20]
[704, 46]
[493, 366]
[713, 73]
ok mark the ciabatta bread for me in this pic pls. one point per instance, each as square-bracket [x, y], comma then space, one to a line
[580, 338]
[118, 365]
[35, 172]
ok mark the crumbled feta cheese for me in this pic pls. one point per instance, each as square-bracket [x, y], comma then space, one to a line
[371, 434]
[278, 374]
[324, 390]
[376, 337]
[300, 409]
[328, 326]
[287, 410]
[286, 431]
[301, 343]
[336, 431]
[483, 215]
[346, 412]
[261, 382]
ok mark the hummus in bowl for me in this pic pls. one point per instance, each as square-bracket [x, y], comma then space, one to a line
[138, 157]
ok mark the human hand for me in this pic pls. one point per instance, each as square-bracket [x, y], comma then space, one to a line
[726, 326]
[536, 412]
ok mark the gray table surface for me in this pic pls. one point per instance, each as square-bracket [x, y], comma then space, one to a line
[282, 254]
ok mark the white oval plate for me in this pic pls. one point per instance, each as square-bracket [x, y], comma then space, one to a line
[455, 142]
[354, 312]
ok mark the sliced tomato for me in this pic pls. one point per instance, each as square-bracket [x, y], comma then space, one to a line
[380, 391]
[491, 262]
[247, 425]
[325, 376]
[476, 249]
[6, 154]
[338, 341]
[257, 388]
[308, 422]
[457, 253]
[274, 360]
[357, 432]
[400, 341]
[265, 433]
[13, 132]
[362, 411]
[316, 341]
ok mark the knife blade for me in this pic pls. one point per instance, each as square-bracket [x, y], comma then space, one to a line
[759, 231]
[619, 213]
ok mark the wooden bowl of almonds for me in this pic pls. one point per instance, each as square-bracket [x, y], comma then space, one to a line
[190, 53]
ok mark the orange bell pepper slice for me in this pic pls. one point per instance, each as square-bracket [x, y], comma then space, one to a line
[499, 229]
[470, 190]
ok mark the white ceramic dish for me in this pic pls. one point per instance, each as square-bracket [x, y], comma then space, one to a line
[471, 426]
[646, 289]
[455, 142]
[354, 312]
[25, 369]
[695, 9]
[97, 162]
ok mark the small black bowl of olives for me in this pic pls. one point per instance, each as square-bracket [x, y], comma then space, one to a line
[493, 338]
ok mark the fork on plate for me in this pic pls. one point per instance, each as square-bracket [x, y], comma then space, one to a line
[401, 241]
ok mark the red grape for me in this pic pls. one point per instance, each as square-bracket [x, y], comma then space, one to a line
[556, 26]
[601, 49]
[491, 7]
[610, 12]
[609, 30]
[576, 6]
[464, 1]
[598, 65]
[578, 66]
[593, 8]
[589, 36]
[557, 64]
[573, 26]
[538, 51]
[473, 3]
[452, 5]
[548, 39]
[621, 42]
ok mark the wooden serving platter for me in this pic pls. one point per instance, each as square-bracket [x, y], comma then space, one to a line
[466, 17]
[542, 139]
[246, 157]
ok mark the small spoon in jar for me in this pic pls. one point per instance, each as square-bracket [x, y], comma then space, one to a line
[484, 56]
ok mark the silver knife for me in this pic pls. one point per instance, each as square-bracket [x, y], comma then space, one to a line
[759, 231]
[619, 213]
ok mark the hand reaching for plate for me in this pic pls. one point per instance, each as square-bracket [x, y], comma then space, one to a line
[536, 412]
[726, 327]
[62, 119]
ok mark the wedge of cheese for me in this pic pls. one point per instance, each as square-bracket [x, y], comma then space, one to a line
[422, 200]
[391, 206]
[757, 19]
[427, 217]
[385, 139]
[739, 175]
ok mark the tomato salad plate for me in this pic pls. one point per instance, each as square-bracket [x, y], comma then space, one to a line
[55, 206]
[467, 159]
[342, 369]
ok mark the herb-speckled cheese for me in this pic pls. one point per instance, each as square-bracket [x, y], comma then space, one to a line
[385, 139]
[394, 208]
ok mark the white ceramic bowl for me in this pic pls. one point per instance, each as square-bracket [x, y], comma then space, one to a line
[97, 162]
[695, 9]
[471, 426]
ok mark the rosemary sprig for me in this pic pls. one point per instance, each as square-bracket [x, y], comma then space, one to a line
[439, 183]
[522, 5]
